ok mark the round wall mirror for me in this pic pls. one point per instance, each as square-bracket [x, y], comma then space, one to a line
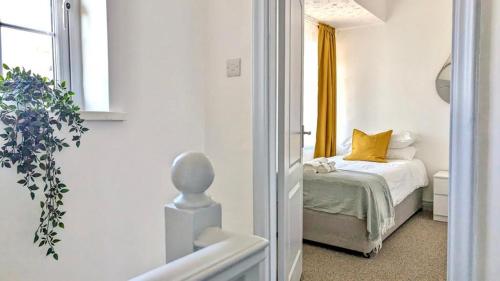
[443, 81]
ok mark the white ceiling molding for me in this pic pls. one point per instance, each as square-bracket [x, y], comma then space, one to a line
[347, 13]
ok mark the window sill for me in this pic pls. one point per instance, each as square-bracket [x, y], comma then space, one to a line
[103, 116]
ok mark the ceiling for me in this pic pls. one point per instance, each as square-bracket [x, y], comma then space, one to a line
[339, 13]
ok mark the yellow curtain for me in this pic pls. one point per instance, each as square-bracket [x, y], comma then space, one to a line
[326, 129]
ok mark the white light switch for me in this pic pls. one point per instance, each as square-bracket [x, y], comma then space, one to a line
[233, 67]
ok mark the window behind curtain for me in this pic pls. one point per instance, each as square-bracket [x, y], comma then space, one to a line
[310, 87]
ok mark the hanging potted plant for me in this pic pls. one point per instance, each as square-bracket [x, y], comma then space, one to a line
[34, 111]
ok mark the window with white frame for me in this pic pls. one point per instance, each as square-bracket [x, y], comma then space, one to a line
[37, 35]
[45, 36]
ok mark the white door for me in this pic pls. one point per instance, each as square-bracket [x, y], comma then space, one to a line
[290, 54]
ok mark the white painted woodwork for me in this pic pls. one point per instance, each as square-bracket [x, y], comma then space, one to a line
[192, 211]
[487, 192]
[264, 100]
[290, 79]
[210, 236]
[192, 174]
[236, 257]
[463, 221]
[440, 210]
[196, 246]
[103, 115]
[441, 183]
[182, 227]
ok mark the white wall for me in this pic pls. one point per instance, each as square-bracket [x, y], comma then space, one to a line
[386, 77]
[167, 71]
[488, 258]
[228, 116]
[119, 179]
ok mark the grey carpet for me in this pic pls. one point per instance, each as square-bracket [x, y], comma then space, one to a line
[416, 251]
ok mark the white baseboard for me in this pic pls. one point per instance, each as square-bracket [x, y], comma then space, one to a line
[440, 218]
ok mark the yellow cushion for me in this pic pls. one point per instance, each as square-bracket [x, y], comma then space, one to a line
[369, 147]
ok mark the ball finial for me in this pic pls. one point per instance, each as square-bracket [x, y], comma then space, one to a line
[192, 174]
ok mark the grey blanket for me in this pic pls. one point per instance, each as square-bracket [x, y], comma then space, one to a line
[363, 195]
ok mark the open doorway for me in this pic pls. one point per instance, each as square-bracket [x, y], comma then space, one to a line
[272, 100]
[391, 76]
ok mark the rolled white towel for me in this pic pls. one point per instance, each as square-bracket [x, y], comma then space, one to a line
[310, 169]
[320, 165]
[326, 168]
[326, 160]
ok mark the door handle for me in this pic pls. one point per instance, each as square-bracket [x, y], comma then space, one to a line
[302, 133]
[305, 132]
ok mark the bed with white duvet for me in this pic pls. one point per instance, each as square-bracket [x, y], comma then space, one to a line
[402, 176]
[404, 179]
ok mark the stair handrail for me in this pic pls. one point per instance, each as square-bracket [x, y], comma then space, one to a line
[224, 260]
[197, 248]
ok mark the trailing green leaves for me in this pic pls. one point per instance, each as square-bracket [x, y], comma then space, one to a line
[33, 111]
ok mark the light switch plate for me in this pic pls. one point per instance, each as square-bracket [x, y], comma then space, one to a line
[233, 67]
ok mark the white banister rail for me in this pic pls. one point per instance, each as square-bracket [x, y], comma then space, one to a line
[236, 258]
[196, 246]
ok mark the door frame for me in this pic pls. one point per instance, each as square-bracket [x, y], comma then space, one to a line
[264, 110]
[463, 148]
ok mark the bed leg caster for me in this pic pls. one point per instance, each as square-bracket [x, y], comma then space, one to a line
[369, 255]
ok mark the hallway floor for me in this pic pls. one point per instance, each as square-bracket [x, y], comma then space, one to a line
[416, 252]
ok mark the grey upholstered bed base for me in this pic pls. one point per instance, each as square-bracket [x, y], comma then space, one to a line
[350, 232]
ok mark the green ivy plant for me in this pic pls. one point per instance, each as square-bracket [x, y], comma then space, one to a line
[33, 112]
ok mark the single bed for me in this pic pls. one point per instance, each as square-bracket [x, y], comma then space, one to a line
[404, 180]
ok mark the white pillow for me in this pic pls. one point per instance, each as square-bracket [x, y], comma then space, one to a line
[398, 140]
[402, 139]
[345, 147]
[406, 153]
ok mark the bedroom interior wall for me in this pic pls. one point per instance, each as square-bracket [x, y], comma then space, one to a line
[120, 177]
[228, 111]
[386, 77]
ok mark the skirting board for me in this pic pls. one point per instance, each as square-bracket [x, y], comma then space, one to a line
[440, 218]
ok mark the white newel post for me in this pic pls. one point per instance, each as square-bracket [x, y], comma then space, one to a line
[192, 211]
[197, 247]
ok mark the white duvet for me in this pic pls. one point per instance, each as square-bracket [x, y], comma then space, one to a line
[402, 176]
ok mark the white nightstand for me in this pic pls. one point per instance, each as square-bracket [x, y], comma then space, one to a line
[441, 196]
